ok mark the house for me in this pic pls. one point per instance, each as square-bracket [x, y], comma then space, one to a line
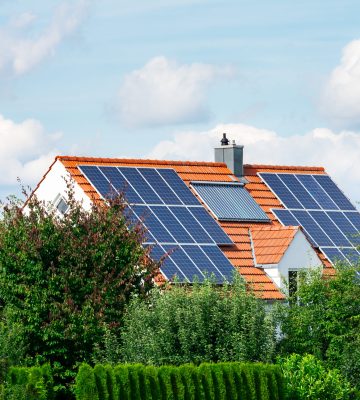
[265, 221]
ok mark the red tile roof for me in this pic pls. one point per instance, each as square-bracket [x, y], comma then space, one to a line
[241, 253]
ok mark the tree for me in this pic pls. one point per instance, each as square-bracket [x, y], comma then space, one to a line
[68, 278]
[323, 319]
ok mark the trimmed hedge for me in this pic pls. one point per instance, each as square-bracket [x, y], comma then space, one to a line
[22, 383]
[222, 381]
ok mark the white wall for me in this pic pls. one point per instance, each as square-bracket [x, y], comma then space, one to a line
[54, 183]
[299, 255]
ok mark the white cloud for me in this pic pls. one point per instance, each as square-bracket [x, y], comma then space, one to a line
[164, 92]
[341, 97]
[21, 51]
[26, 151]
[337, 152]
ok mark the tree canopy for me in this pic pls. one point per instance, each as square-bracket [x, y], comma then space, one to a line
[67, 278]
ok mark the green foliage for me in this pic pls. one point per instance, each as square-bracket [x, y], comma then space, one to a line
[67, 279]
[85, 384]
[33, 383]
[323, 319]
[221, 381]
[101, 381]
[307, 378]
[12, 341]
[203, 323]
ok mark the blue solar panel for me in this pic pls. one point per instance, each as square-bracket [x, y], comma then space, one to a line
[179, 187]
[352, 255]
[219, 259]
[136, 180]
[281, 191]
[172, 224]
[203, 262]
[191, 224]
[354, 218]
[229, 201]
[333, 254]
[101, 184]
[168, 267]
[173, 217]
[317, 192]
[330, 228]
[334, 226]
[285, 217]
[162, 189]
[184, 263]
[346, 227]
[120, 184]
[210, 225]
[156, 228]
[312, 228]
[298, 190]
[334, 192]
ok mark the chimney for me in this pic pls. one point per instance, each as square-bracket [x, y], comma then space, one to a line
[231, 155]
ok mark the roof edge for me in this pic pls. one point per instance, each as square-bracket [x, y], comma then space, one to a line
[284, 167]
[139, 161]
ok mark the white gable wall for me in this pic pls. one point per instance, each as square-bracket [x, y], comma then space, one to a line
[54, 184]
[299, 255]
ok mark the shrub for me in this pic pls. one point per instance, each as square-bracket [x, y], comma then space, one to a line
[307, 378]
[204, 323]
[85, 384]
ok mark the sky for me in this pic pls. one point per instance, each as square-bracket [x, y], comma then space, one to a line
[164, 79]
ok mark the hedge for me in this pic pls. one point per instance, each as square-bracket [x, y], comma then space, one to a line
[222, 381]
[22, 383]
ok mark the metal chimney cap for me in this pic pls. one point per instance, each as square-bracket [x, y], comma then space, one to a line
[224, 141]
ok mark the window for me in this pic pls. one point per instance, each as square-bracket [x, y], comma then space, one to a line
[293, 283]
[61, 204]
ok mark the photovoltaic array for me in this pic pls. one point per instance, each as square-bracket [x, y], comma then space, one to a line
[316, 203]
[177, 224]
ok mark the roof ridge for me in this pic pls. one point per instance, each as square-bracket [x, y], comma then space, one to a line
[139, 161]
[285, 167]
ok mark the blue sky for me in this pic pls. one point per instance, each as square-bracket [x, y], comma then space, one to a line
[164, 79]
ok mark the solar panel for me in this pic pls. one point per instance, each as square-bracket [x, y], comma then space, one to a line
[175, 220]
[164, 191]
[178, 185]
[285, 217]
[330, 221]
[281, 191]
[334, 192]
[137, 181]
[319, 237]
[120, 184]
[333, 254]
[330, 228]
[210, 225]
[229, 201]
[298, 190]
[317, 192]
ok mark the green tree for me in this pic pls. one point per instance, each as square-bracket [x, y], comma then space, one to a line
[323, 319]
[202, 323]
[68, 278]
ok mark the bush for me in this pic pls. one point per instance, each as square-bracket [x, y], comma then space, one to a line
[307, 378]
[323, 319]
[204, 323]
[34, 383]
[222, 381]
